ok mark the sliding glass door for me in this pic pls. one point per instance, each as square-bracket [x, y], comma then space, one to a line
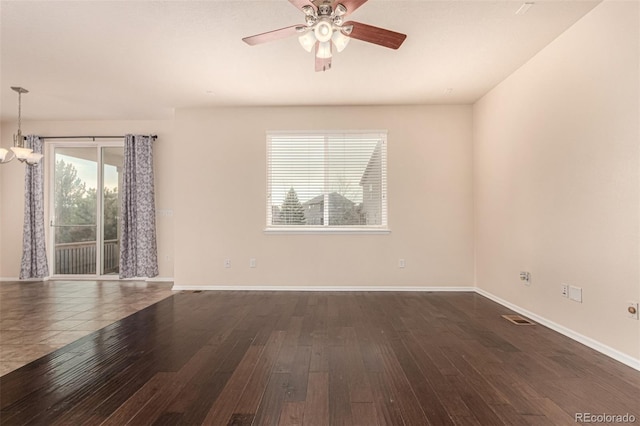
[85, 183]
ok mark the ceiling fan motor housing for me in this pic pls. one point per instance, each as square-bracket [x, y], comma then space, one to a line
[323, 31]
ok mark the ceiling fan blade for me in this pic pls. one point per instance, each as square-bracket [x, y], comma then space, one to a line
[271, 35]
[375, 35]
[351, 5]
[322, 64]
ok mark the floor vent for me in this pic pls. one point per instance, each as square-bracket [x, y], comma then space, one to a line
[518, 320]
[197, 291]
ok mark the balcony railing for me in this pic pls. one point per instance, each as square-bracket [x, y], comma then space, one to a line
[80, 258]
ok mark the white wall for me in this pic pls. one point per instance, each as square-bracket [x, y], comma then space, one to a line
[556, 180]
[220, 201]
[12, 184]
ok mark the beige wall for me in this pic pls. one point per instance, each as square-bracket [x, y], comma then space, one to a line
[556, 180]
[220, 201]
[12, 184]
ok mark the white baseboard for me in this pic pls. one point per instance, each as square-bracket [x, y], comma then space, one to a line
[27, 280]
[580, 338]
[81, 278]
[314, 288]
[159, 280]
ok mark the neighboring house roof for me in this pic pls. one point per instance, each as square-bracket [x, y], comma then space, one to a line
[374, 162]
[335, 199]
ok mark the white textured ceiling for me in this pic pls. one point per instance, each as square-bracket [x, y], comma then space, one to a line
[142, 59]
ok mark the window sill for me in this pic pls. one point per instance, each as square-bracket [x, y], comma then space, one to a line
[326, 230]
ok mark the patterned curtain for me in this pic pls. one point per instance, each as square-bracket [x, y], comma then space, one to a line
[34, 252]
[138, 250]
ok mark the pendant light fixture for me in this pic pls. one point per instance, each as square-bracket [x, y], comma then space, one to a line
[18, 150]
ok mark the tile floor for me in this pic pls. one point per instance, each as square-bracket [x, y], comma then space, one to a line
[37, 318]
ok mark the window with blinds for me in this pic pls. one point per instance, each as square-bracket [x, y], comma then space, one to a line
[326, 181]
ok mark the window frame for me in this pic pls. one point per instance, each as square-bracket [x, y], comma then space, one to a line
[383, 228]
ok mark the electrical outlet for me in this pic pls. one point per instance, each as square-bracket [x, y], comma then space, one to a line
[632, 310]
[227, 263]
[401, 263]
[564, 290]
[525, 277]
[252, 262]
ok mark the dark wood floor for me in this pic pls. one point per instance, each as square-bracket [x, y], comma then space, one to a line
[288, 358]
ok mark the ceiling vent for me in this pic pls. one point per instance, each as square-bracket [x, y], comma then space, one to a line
[524, 8]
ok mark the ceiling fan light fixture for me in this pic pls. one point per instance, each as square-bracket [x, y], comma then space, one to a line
[340, 40]
[3, 154]
[308, 10]
[340, 9]
[323, 31]
[324, 50]
[307, 40]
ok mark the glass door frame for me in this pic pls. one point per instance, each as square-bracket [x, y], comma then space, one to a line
[51, 157]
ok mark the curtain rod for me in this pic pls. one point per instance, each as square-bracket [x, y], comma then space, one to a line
[88, 137]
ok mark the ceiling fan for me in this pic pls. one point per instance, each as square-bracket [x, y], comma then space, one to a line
[325, 28]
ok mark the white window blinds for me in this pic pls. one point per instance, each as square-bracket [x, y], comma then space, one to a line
[326, 180]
